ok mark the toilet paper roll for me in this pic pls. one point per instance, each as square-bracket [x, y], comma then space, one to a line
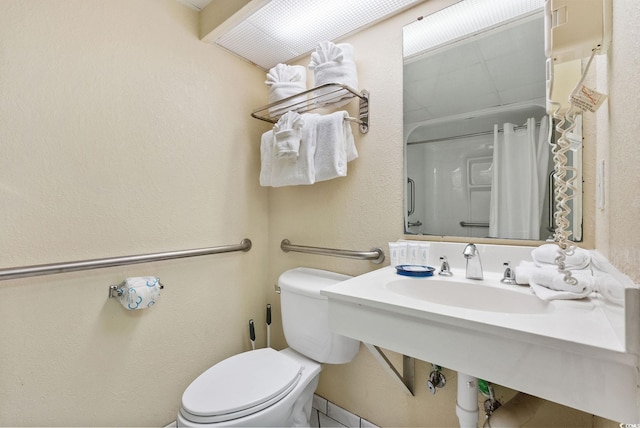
[140, 292]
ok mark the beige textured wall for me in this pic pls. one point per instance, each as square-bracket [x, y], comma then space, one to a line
[624, 132]
[122, 133]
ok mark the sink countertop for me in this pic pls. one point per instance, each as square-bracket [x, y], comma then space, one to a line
[581, 322]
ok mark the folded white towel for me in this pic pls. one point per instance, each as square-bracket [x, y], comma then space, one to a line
[285, 81]
[609, 287]
[523, 272]
[300, 170]
[333, 63]
[546, 255]
[335, 146]
[287, 132]
[283, 73]
[549, 284]
[266, 156]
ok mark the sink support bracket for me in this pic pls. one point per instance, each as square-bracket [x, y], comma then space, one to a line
[406, 379]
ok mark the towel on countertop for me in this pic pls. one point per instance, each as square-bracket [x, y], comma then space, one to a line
[290, 171]
[287, 134]
[523, 272]
[335, 146]
[549, 284]
[333, 63]
[286, 81]
[546, 254]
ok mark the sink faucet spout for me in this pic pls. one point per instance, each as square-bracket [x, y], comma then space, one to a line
[474, 265]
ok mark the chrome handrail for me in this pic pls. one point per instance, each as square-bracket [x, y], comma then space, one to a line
[376, 255]
[473, 224]
[54, 268]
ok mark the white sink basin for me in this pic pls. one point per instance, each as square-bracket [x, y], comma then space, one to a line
[469, 296]
[502, 333]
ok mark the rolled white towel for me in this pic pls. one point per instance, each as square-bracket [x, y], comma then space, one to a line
[333, 63]
[609, 287]
[549, 284]
[285, 81]
[546, 255]
[523, 272]
[287, 132]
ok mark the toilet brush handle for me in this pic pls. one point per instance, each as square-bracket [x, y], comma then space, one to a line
[252, 334]
[268, 326]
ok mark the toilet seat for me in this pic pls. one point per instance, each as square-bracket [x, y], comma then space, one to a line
[240, 385]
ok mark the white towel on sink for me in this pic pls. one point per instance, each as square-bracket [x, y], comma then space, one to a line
[549, 284]
[546, 254]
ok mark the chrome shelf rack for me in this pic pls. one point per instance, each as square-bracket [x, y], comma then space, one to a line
[323, 96]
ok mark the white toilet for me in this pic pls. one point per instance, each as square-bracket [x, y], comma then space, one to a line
[270, 388]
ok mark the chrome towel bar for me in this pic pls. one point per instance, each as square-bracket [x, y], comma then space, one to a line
[376, 255]
[53, 268]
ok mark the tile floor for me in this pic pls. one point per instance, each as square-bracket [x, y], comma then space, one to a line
[325, 414]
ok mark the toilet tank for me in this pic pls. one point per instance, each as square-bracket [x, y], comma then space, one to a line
[305, 316]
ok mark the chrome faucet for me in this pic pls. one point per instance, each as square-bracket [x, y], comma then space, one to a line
[509, 276]
[444, 269]
[474, 265]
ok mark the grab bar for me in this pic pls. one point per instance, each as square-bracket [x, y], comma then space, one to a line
[376, 255]
[470, 224]
[53, 268]
[412, 196]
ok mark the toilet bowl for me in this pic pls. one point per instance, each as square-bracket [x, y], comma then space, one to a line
[234, 397]
[265, 387]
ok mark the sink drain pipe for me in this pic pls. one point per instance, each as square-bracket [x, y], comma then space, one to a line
[467, 402]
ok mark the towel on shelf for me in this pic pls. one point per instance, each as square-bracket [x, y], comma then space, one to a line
[335, 146]
[549, 284]
[287, 134]
[546, 254]
[333, 63]
[286, 81]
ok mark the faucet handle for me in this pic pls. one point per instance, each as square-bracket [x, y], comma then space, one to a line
[444, 268]
[509, 276]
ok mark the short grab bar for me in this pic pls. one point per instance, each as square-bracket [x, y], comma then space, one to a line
[376, 255]
[53, 268]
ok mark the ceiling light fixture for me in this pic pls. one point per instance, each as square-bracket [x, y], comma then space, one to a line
[461, 20]
[283, 30]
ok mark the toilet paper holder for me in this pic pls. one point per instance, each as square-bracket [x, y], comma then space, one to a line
[116, 291]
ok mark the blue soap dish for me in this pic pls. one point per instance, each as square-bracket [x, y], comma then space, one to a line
[415, 270]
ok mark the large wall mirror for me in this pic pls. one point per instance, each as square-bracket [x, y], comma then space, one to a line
[477, 157]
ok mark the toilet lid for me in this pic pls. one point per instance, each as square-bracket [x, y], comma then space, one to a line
[241, 382]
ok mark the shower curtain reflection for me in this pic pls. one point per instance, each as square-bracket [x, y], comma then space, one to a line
[520, 160]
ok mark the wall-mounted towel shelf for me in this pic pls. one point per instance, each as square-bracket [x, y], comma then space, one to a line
[323, 96]
[376, 255]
